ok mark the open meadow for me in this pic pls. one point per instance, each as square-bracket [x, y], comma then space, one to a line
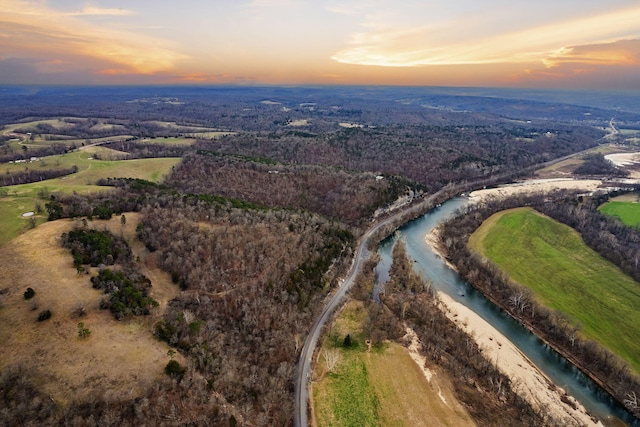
[552, 260]
[627, 211]
[15, 200]
[118, 357]
[380, 386]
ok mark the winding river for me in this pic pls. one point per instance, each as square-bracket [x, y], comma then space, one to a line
[431, 266]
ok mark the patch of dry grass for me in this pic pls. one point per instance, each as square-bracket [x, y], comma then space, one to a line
[119, 357]
[407, 398]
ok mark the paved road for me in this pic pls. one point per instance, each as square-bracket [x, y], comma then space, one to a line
[304, 363]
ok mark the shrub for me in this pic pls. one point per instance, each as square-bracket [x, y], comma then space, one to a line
[29, 293]
[347, 341]
[82, 331]
[44, 315]
[173, 369]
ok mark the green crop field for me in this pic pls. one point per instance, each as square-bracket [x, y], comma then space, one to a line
[628, 212]
[552, 260]
[17, 199]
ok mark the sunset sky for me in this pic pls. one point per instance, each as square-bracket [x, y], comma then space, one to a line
[516, 43]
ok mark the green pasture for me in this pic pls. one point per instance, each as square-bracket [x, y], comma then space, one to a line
[352, 400]
[626, 211]
[346, 397]
[11, 210]
[17, 199]
[107, 126]
[566, 275]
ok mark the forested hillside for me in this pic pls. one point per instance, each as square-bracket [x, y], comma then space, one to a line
[256, 224]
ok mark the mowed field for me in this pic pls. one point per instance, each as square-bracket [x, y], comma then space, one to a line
[626, 211]
[18, 199]
[118, 357]
[384, 386]
[566, 275]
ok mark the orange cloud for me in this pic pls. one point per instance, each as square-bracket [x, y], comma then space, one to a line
[29, 30]
[612, 65]
[384, 45]
[624, 52]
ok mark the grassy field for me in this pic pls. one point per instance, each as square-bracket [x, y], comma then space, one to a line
[30, 126]
[383, 387]
[118, 357]
[345, 397]
[626, 211]
[566, 275]
[17, 199]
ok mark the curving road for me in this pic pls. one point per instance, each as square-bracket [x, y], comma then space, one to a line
[304, 363]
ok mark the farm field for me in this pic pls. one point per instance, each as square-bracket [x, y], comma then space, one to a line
[18, 199]
[565, 275]
[626, 211]
[384, 386]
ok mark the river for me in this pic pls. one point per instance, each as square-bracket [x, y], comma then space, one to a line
[444, 279]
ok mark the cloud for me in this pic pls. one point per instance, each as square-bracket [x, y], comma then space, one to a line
[463, 40]
[72, 44]
[614, 65]
[93, 10]
[623, 52]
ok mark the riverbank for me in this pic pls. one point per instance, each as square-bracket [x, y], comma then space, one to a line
[531, 383]
[535, 186]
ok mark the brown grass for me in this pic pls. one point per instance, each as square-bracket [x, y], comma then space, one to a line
[407, 398]
[117, 359]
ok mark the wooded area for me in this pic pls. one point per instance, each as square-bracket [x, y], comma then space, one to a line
[257, 227]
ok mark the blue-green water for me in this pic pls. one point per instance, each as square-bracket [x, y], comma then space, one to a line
[431, 266]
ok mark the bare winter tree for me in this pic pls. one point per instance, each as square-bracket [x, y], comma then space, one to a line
[331, 357]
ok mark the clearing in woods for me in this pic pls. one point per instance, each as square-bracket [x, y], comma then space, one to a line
[117, 357]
